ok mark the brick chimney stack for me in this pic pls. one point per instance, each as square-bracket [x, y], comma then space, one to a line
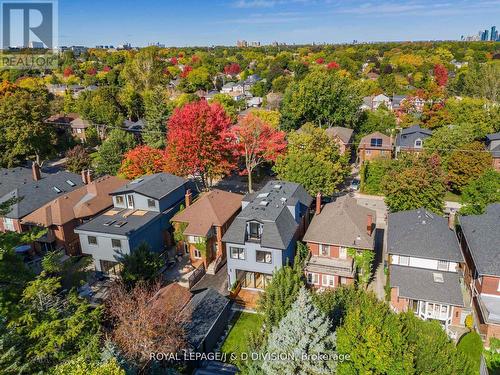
[84, 176]
[369, 224]
[35, 169]
[89, 176]
[318, 203]
[188, 197]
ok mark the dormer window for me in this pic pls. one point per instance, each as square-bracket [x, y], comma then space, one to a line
[376, 142]
[254, 231]
[418, 143]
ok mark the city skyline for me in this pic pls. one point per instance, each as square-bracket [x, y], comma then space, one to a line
[223, 22]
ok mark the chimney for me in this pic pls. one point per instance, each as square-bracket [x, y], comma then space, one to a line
[89, 176]
[369, 224]
[84, 176]
[188, 197]
[451, 220]
[35, 169]
[318, 203]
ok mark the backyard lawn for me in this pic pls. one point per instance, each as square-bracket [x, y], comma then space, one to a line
[237, 340]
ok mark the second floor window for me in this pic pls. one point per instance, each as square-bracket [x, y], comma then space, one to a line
[376, 142]
[92, 240]
[151, 203]
[264, 257]
[418, 143]
[119, 199]
[324, 250]
[254, 230]
[312, 278]
[116, 244]
[237, 253]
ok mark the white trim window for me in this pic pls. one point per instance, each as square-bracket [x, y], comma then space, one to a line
[418, 143]
[404, 261]
[92, 240]
[342, 252]
[328, 281]
[498, 286]
[116, 243]
[312, 278]
[8, 224]
[196, 253]
[262, 256]
[324, 250]
[237, 253]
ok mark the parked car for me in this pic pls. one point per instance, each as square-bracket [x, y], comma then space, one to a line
[354, 185]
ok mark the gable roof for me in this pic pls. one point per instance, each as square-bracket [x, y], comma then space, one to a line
[422, 234]
[213, 208]
[11, 178]
[154, 186]
[366, 140]
[342, 222]
[79, 123]
[83, 202]
[493, 137]
[344, 134]
[408, 136]
[34, 194]
[482, 233]
[279, 225]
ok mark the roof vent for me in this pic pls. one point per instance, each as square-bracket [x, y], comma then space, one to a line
[262, 195]
[137, 181]
[438, 277]
[277, 186]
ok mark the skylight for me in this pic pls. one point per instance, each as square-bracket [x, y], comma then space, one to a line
[137, 181]
[109, 222]
[57, 190]
[438, 277]
[70, 183]
[262, 195]
[264, 203]
[277, 186]
[119, 224]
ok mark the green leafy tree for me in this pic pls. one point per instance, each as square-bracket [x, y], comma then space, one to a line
[141, 264]
[101, 106]
[372, 174]
[482, 81]
[231, 106]
[381, 120]
[145, 69]
[81, 366]
[415, 181]
[23, 131]
[157, 111]
[303, 332]
[471, 346]
[110, 154]
[313, 160]
[467, 164]
[479, 193]
[324, 98]
[492, 356]
[279, 296]
[363, 261]
[77, 159]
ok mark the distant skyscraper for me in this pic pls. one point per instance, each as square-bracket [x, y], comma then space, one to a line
[485, 35]
[494, 33]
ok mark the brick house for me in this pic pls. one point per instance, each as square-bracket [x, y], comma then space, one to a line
[374, 146]
[424, 258]
[479, 237]
[342, 136]
[493, 146]
[206, 220]
[335, 228]
[63, 214]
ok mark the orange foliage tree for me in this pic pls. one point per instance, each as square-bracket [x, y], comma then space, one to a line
[143, 160]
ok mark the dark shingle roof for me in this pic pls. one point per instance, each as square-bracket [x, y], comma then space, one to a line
[10, 178]
[154, 186]
[493, 137]
[279, 226]
[482, 233]
[344, 134]
[422, 234]
[204, 309]
[408, 136]
[34, 194]
[419, 284]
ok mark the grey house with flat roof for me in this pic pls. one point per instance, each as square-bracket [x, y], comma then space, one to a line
[262, 237]
[141, 213]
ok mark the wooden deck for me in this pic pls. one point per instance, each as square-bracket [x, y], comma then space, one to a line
[248, 298]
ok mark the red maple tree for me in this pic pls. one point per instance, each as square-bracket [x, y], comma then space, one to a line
[91, 71]
[143, 160]
[106, 69]
[232, 69]
[441, 74]
[257, 142]
[68, 71]
[332, 65]
[185, 72]
[174, 60]
[320, 61]
[200, 142]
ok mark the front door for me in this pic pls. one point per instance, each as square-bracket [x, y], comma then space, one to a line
[130, 201]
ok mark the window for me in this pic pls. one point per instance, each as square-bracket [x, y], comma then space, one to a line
[498, 286]
[197, 253]
[324, 250]
[92, 240]
[418, 143]
[195, 239]
[343, 252]
[79, 131]
[328, 280]
[404, 261]
[130, 200]
[254, 230]
[237, 253]
[312, 278]
[8, 224]
[443, 265]
[264, 257]
[376, 142]
[119, 199]
[116, 244]
[151, 203]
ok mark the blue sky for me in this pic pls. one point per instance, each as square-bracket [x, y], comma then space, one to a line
[209, 22]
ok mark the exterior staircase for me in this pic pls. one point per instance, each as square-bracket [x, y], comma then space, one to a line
[214, 266]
